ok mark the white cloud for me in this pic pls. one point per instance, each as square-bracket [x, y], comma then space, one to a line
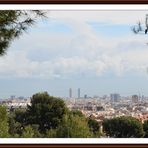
[81, 52]
[17, 64]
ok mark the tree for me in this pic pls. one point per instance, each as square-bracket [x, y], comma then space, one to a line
[20, 116]
[3, 122]
[13, 23]
[52, 133]
[18, 128]
[28, 132]
[145, 128]
[94, 127]
[15, 128]
[77, 112]
[45, 111]
[74, 126]
[17, 122]
[139, 29]
[123, 127]
[31, 132]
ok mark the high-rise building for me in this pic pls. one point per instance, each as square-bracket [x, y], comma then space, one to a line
[135, 98]
[70, 93]
[115, 97]
[79, 93]
[12, 97]
[85, 96]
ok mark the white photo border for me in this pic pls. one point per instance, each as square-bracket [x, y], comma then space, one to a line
[76, 7]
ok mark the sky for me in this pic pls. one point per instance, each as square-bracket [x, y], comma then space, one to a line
[95, 51]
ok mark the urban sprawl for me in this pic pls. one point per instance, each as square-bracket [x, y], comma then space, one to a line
[98, 108]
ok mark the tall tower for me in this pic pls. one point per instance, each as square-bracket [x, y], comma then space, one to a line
[70, 93]
[135, 99]
[79, 93]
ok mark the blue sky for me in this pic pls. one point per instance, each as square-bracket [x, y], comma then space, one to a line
[94, 51]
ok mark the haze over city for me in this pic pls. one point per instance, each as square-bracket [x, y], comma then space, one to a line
[92, 50]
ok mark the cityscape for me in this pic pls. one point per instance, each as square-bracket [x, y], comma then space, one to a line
[96, 107]
[73, 74]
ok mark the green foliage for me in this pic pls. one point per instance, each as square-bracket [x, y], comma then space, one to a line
[31, 131]
[28, 132]
[52, 133]
[3, 122]
[13, 23]
[123, 127]
[15, 128]
[145, 128]
[17, 122]
[46, 111]
[18, 129]
[74, 126]
[35, 128]
[94, 127]
[77, 112]
[20, 116]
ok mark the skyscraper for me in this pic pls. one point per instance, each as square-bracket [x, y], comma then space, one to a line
[79, 93]
[70, 93]
[85, 96]
[115, 97]
[135, 99]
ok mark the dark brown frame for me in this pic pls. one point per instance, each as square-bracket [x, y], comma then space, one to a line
[74, 145]
[74, 2]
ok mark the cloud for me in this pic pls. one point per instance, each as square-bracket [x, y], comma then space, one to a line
[17, 64]
[46, 54]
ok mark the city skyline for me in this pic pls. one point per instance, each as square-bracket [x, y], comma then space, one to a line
[79, 93]
[95, 51]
